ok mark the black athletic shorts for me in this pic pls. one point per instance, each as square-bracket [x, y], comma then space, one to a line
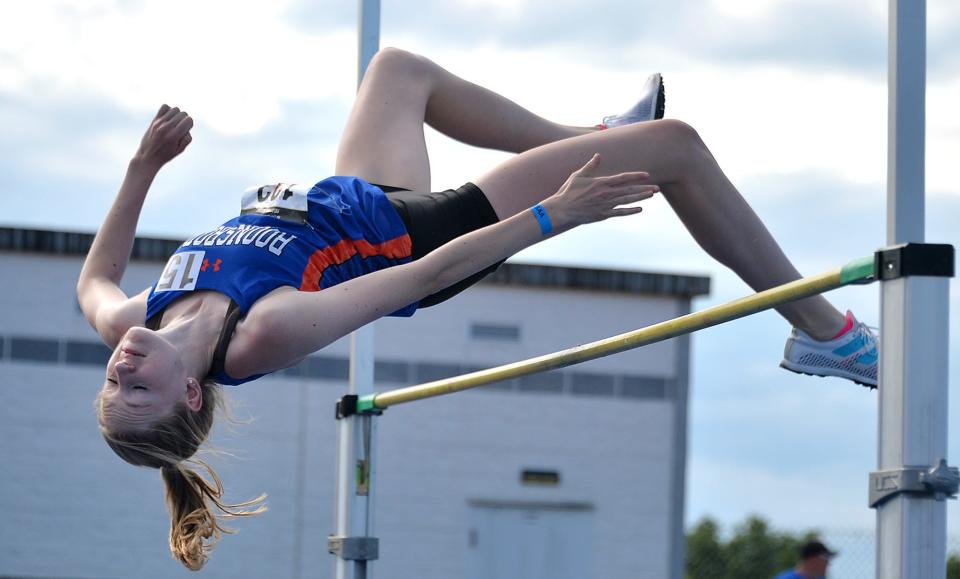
[433, 219]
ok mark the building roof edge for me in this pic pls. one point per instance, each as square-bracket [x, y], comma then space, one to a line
[54, 242]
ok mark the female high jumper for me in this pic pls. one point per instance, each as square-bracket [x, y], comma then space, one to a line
[301, 267]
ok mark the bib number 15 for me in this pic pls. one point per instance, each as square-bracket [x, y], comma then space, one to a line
[181, 272]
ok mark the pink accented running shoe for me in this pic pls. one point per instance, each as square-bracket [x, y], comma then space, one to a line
[851, 355]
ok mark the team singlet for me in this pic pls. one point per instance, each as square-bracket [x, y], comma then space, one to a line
[309, 238]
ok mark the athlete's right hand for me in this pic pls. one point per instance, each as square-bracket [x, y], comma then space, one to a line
[166, 137]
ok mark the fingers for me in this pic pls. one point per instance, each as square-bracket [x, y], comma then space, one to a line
[169, 114]
[617, 201]
[168, 134]
[170, 121]
[173, 124]
[625, 178]
[183, 126]
[620, 206]
[633, 195]
[592, 165]
[621, 211]
[590, 168]
[629, 190]
[184, 141]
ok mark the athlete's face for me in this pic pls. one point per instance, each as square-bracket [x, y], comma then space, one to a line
[819, 565]
[145, 379]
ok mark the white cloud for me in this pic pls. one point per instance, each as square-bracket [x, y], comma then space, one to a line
[754, 10]
[233, 63]
[765, 120]
[943, 137]
[746, 9]
[942, 17]
[507, 9]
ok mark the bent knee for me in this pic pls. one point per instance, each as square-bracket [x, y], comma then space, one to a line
[680, 132]
[675, 139]
[396, 61]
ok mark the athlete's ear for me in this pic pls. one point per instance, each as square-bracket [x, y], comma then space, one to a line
[194, 395]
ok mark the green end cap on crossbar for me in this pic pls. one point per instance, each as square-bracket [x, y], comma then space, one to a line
[863, 269]
[365, 404]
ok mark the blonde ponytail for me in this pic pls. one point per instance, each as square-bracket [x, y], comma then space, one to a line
[194, 527]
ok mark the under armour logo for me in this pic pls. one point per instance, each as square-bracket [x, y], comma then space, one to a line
[206, 264]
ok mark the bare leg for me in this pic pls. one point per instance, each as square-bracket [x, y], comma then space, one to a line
[708, 204]
[383, 141]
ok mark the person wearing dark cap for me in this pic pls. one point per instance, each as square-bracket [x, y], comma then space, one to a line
[814, 558]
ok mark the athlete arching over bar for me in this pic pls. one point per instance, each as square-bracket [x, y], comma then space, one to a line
[304, 266]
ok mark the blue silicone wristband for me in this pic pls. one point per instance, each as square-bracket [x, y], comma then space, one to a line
[542, 218]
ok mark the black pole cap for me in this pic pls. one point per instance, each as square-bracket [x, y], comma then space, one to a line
[915, 259]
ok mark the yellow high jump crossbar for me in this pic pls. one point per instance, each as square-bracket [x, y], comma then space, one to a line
[863, 270]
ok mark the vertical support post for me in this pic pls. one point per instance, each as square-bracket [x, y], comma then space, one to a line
[681, 394]
[368, 35]
[353, 541]
[911, 528]
[906, 120]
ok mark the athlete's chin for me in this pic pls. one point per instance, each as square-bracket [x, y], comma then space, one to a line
[139, 341]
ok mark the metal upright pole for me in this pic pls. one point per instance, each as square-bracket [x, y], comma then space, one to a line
[368, 35]
[353, 542]
[909, 487]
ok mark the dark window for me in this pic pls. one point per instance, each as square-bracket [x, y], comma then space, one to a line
[541, 478]
[327, 368]
[653, 387]
[543, 382]
[591, 384]
[34, 349]
[384, 371]
[87, 353]
[428, 372]
[495, 332]
[297, 371]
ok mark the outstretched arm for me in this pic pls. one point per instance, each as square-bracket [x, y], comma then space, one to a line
[285, 327]
[104, 304]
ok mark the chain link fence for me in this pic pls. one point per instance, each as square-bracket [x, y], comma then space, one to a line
[755, 550]
[857, 554]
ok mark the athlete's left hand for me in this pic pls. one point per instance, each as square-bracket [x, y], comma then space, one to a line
[166, 137]
[589, 195]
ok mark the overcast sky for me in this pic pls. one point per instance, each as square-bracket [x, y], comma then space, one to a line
[790, 95]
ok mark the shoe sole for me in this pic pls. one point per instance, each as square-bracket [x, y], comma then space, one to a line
[852, 377]
[661, 101]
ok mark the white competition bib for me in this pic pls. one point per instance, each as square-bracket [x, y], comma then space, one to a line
[279, 199]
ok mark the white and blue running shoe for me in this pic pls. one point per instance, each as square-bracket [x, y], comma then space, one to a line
[852, 355]
[649, 107]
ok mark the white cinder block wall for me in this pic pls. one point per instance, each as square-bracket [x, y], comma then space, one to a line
[609, 428]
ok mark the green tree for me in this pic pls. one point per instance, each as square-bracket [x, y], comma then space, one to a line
[953, 566]
[705, 558]
[753, 551]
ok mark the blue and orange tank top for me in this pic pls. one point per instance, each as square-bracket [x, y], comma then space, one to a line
[309, 238]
